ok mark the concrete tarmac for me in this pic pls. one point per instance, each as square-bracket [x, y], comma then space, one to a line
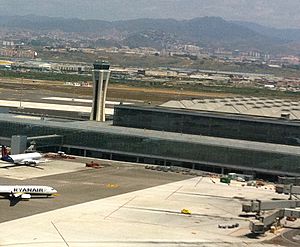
[132, 206]
[75, 184]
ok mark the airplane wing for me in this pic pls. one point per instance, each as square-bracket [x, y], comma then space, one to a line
[20, 195]
[16, 197]
[32, 162]
[6, 167]
[16, 165]
[28, 162]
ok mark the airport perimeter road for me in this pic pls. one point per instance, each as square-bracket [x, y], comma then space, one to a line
[85, 185]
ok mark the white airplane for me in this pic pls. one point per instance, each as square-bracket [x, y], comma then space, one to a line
[26, 191]
[16, 193]
[21, 159]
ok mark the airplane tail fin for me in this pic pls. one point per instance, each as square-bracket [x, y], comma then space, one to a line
[4, 152]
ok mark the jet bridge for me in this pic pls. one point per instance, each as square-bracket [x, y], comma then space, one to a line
[262, 223]
[5, 141]
[257, 206]
[46, 141]
[19, 143]
[274, 211]
[288, 189]
[289, 180]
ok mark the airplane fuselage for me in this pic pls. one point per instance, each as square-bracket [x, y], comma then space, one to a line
[19, 158]
[26, 189]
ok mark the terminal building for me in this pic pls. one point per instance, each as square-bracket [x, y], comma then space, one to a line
[209, 123]
[141, 145]
[178, 134]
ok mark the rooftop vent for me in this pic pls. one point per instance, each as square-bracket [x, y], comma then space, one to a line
[277, 105]
[285, 115]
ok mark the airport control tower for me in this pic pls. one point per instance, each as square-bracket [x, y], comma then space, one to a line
[101, 75]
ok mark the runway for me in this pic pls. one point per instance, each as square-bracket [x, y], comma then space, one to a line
[49, 107]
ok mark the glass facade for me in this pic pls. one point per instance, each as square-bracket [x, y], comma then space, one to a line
[221, 125]
[130, 145]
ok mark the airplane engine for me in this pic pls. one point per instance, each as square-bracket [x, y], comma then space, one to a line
[30, 162]
[26, 196]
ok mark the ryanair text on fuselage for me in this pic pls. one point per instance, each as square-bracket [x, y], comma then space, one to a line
[29, 190]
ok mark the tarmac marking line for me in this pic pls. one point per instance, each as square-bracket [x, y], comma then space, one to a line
[120, 207]
[174, 192]
[222, 209]
[287, 239]
[200, 179]
[59, 233]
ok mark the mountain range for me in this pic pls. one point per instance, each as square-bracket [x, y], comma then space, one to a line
[161, 33]
[274, 13]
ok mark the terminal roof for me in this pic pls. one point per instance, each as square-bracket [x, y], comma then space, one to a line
[107, 127]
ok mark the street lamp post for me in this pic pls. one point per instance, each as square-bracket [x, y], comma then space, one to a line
[21, 94]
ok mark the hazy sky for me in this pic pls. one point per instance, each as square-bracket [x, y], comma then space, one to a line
[277, 13]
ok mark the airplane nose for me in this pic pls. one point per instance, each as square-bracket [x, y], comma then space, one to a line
[55, 194]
